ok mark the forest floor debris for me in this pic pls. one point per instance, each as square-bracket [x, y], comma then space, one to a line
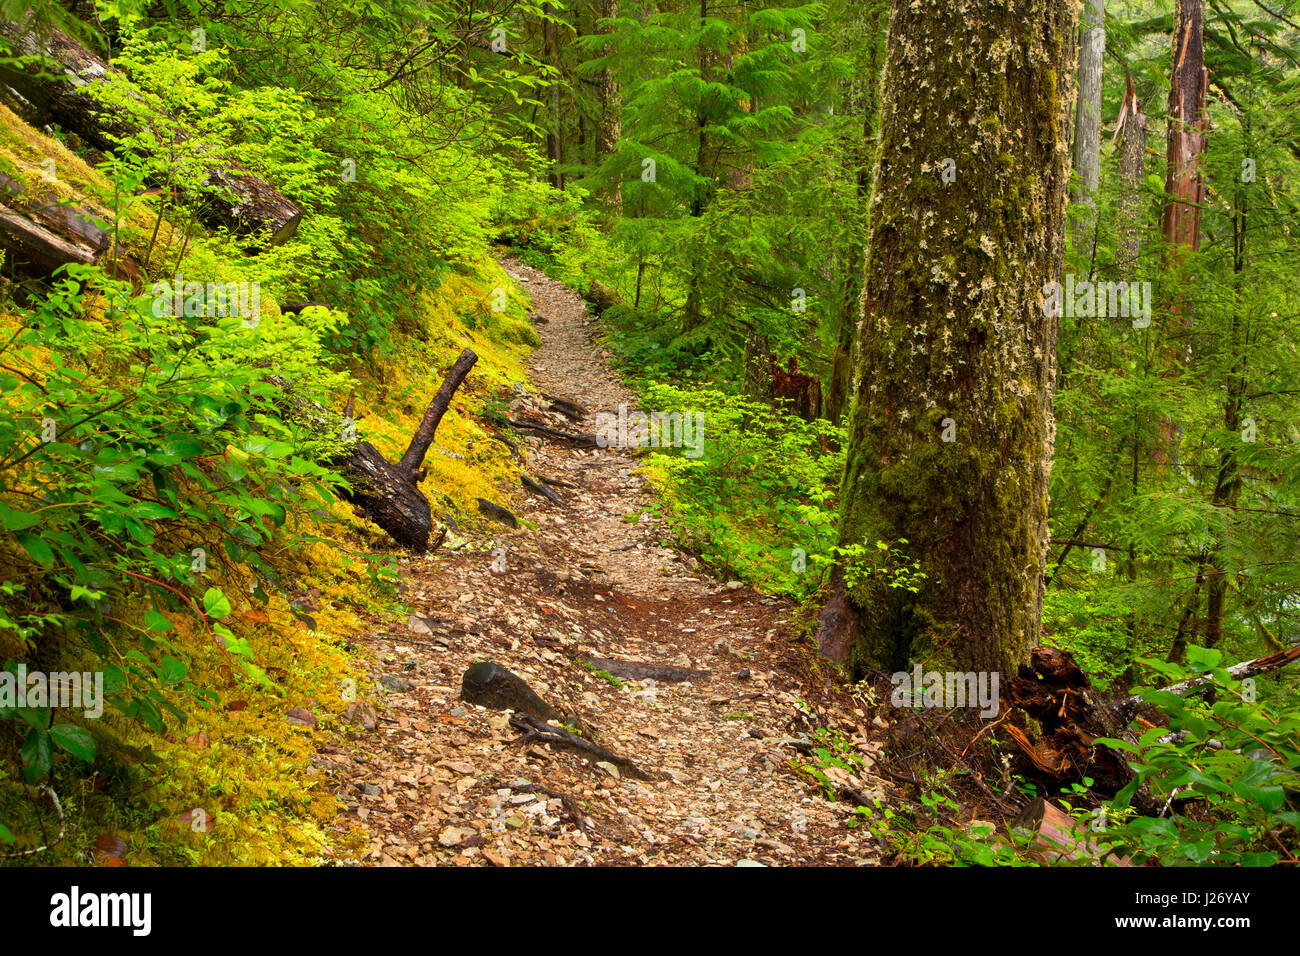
[442, 781]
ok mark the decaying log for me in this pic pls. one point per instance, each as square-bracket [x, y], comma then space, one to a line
[601, 297]
[1059, 836]
[39, 236]
[1124, 708]
[488, 684]
[381, 491]
[245, 204]
[386, 495]
[34, 250]
[235, 198]
[1056, 692]
[636, 670]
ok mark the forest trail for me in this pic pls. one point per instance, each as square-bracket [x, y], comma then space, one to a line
[439, 781]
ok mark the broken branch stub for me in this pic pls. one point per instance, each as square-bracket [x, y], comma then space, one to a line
[423, 437]
[387, 494]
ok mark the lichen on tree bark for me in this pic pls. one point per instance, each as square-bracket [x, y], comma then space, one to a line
[952, 327]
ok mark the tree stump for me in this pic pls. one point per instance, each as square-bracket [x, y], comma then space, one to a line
[387, 493]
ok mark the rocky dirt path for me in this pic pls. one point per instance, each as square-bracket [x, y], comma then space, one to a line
[439, 781]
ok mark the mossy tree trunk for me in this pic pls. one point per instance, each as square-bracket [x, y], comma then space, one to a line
[954, 340]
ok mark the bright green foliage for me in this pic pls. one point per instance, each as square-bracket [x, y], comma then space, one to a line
[146, 455]
[1174, 487]
[1234, 772]
[772, 462]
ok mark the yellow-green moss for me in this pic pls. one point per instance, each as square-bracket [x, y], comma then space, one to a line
[237, 758]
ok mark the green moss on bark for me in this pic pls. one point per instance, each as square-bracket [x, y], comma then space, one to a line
[952, 328]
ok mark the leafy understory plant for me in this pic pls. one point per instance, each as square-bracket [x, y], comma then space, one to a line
[1226, 768]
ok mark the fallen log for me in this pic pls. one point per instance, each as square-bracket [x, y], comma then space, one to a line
[1059, 836]
[234, 198]
[1126, 707]
[35, 250]
[41, 236]
[636, 670]
[601, 297]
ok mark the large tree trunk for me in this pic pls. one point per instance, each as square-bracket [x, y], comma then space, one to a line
[235, 198]
[955, 341]
[1181, 222]
[1087, 121]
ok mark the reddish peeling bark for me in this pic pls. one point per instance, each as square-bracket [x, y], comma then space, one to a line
[1181, 222]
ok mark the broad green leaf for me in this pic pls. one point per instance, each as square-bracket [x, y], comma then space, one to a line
[37, 755]
[74, 740]
[34, 545]
[171, 671]
[215, 604]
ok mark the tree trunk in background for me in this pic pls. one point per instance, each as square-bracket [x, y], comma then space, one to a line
[555, 128]
[757, 367]
[863, 99]
[1132, 135]
[1181, 220]
[1227, 485]
[610, 130]
[1087, 122]
[694, 312]
[954, 337]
